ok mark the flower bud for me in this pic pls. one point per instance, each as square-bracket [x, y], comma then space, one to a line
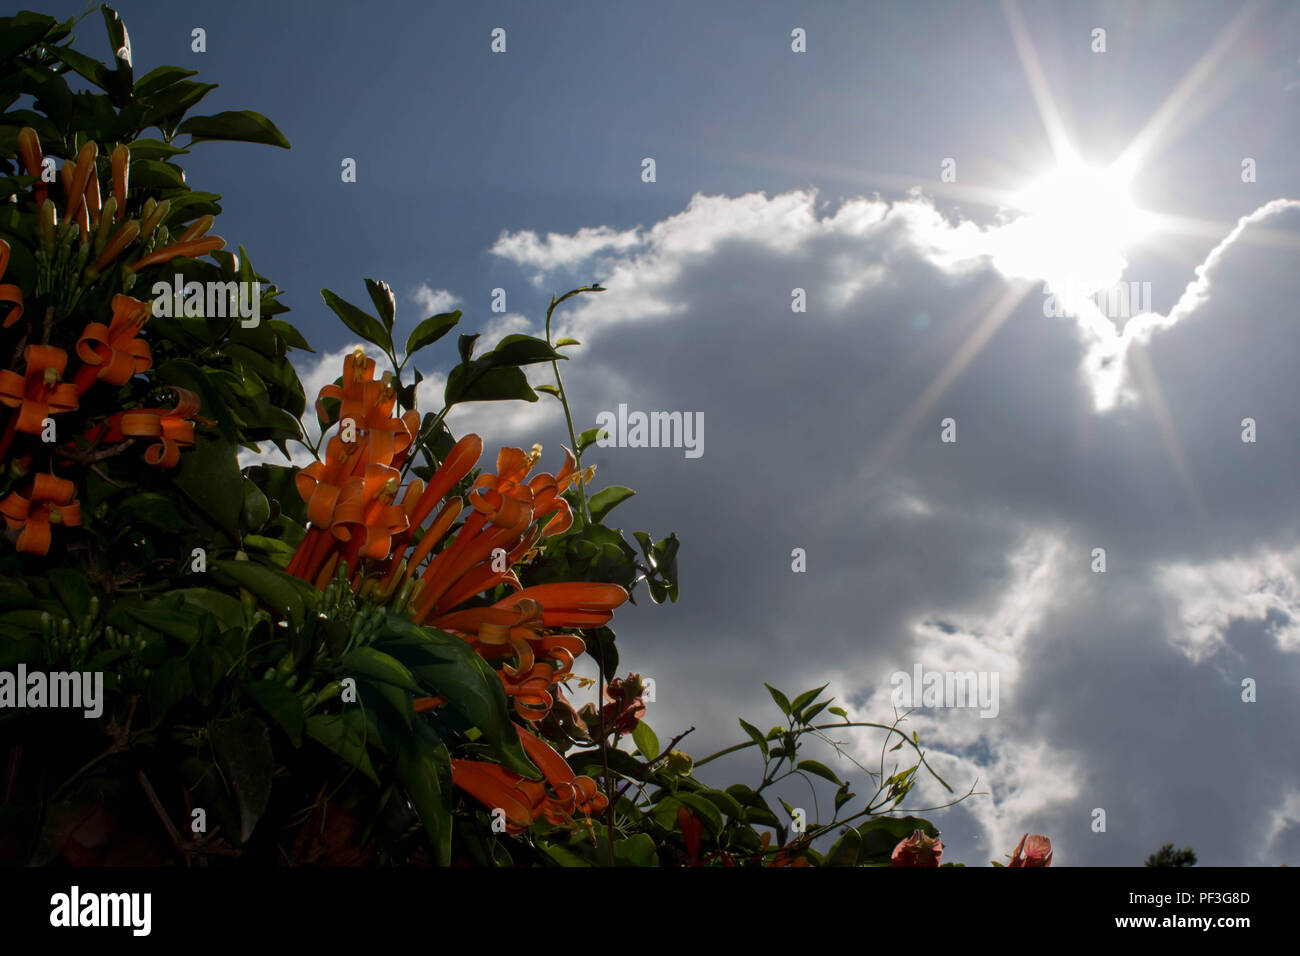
[121, 177]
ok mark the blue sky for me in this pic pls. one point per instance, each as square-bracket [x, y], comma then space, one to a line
[821, 170]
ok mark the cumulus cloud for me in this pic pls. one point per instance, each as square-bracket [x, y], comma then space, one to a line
[434, 301]
[1118, 687]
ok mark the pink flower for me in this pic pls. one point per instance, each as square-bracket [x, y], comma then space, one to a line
[918, 850]
[1038, 851]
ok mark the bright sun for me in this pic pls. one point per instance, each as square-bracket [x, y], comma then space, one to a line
[1074, 227]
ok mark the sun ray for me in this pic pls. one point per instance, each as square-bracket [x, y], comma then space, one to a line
[1183, 106]
[979, 337]
[1047, 111]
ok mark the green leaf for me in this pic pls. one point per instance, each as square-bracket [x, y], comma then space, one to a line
[155, 149]
[363, 324]
[256, 509]
[468, 383]
[845, 850]
[703, 808]
[589, 437]
[426, 777]
[281, 591]
[73, 590]
[243, 126]
[549, 390]
[781, 700]
[378, 666]
[156, 174]
[243, 748]
[724, 802]
[159, 79]
[85, 66]
[566, 341]
[520, 350]
[178, 624]
[819, 769]
[345, 734]
[605, 500]
[562, 855]
[636, 850]
[281, 705]
[120, 44]
[813, 711]
[646, 741]
[469, 684]
[840, 712]
[382, 296]
[431, 330]
[755, 733]
[806, 698]
[465, 344]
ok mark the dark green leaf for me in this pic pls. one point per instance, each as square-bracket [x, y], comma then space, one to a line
[243, 748]
[819, 769]
[781, 700]
[281, 705]
[382, 296]
[471, 384]
[363, 324]
[378, 666]
[345, 734]
[755, 733]
[431, 330]
[426, 777]
[457, 673]
[244, 126]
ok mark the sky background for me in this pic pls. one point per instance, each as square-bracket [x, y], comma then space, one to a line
[821, 170]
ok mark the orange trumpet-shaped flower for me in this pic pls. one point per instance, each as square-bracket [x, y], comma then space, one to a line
[562, 795]
[29, 147]
[321, 482]
[114, 352]
[192, 249]
[366, 513]
[171, 426]
[79, 179]
[38, 393]
[368, 405]
[8, 292]
[50, 501]
[121, 177]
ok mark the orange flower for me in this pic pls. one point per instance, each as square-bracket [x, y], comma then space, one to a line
[37, 393]
[524, 801]
[321, 483]
[114, 353]
[171, 426]
[369, 404]
[50, 501]
[193, 249]
[9, 293]
[365, 513]
[29, 147]
[121, 177]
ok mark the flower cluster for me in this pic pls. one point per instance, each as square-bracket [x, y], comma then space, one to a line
[403, 547]
[70, 256]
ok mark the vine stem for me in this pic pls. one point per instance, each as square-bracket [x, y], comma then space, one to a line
[585, 512]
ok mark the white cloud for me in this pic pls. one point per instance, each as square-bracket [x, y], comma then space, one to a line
[433, 301]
